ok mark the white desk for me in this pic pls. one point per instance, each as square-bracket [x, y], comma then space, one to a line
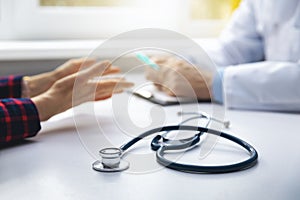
[55, 164]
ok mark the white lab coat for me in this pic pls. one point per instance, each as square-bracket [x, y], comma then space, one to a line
[260, 49]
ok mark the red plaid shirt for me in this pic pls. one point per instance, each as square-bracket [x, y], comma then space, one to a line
[18, 116]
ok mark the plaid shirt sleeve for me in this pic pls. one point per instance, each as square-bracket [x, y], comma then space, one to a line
[10, 87]
[18, 119]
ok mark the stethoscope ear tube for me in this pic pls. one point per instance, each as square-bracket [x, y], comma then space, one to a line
[251, 161]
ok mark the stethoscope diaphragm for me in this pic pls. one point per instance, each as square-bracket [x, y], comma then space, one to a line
[110, 161]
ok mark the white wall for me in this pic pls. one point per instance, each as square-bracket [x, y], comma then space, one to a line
[30, 67]
[27, 67]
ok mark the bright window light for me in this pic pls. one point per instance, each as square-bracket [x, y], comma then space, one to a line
[85, 3]
[210, 9]
[96, 19]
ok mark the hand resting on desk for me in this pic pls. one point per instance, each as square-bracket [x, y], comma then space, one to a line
[179, 78]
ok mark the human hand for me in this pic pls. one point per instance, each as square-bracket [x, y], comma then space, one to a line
[74, 65]
[40, 83]
[178, 78]
[61, 96]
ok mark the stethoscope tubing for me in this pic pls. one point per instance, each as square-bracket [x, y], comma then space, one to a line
[251, 161]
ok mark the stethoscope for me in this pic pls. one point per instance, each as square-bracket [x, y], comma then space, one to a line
[111, 157]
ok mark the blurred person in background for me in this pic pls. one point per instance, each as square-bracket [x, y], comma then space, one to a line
[258, 60]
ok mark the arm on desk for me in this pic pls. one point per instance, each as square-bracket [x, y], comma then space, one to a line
[18, 119]
[263, 86]
[10, 87]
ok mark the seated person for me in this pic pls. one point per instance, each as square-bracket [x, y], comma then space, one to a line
[258, 57]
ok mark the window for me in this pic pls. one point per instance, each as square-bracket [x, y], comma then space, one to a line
[200, 9]
[87, 3]
[90, 19]
[207, 18]
[5, 19]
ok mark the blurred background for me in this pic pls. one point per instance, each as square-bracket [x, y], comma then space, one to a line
[37, 35]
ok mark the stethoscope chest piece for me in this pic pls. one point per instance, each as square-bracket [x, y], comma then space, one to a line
[110, 161]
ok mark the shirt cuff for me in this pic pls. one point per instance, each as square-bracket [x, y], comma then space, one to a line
[19, 119]
[217, 87]
[10, 86]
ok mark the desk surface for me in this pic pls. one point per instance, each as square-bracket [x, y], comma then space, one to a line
[57, 163]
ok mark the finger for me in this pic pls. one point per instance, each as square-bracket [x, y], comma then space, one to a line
[158, 86]
[99, 79]
[118, 91]
[168, 91]
[111, 70]
[159, 59]
[106, 95]
[123, 85]
[111, 84]
[72, 66]
[89, 62]
[82, 62]
[103, 96]
[105, 89]
[95, 69]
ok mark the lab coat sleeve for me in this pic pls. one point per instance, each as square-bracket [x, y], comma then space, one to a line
[263, 86]
[217, 86]
[240, 42]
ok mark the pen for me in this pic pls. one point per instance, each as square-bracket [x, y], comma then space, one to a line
[145, 59]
